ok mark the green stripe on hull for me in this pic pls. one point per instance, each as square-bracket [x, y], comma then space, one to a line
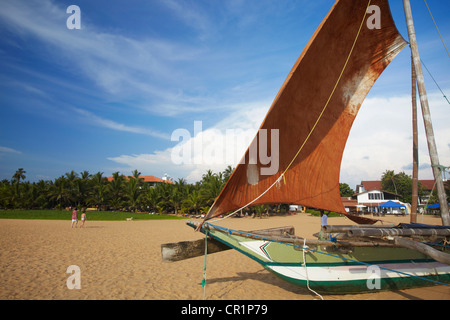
[360, 286]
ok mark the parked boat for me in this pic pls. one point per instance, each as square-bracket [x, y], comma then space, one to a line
[323, 92]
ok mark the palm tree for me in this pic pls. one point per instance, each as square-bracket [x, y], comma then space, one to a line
[175, 198]
[5, 194]
[194, 201]
[260, 209]
[212, 184]
[20, 174]
[116, 189]
[99, 190]
[227, 173]
[387, 181]
[42, 189]
[71, 178]
[164, 193]
[151, 198]
[136, 174]
[82, 187]
[59, 193]
[133, 193]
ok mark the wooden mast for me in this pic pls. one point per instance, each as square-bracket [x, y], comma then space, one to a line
[426, 115]
[415, 172]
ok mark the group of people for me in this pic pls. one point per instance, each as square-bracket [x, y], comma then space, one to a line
[75, 218]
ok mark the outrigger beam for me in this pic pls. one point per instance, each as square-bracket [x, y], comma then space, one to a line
[190, 249]
[437, 255]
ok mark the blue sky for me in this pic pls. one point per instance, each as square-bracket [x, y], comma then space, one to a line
[109, 96]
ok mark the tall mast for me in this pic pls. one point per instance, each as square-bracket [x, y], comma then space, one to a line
[426, 115]
[415, 175]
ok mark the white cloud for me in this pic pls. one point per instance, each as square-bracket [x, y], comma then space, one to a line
[145, 69]
[9, 150]
[113, 125]
[381, 139]
[211, 148]
[192, 15]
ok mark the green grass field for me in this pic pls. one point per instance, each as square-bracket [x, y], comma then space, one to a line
[91, 215]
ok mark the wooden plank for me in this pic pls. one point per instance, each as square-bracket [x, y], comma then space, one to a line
[345, 228]
[437, 255]
[298, 241]
[393, 232]
[278, 231]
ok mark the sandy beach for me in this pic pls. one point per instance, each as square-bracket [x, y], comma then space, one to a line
[122, 260]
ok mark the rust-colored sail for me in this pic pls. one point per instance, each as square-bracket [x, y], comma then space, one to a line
[314, 111]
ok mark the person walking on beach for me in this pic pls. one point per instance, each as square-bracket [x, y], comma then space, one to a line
[74, 217]
[83, 218]
[323, 218]
[323, 222]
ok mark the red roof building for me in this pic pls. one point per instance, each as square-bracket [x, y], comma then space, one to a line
[152, 180]
[427, 185]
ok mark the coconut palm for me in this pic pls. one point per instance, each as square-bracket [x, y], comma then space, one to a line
[20, 174]
[133, 193]
[59, 193]
[176, 198]
[227, 173]
[212, 184]
[151, 198]
[99, 192]
[83, 187]
[194, 201]
[116, 189]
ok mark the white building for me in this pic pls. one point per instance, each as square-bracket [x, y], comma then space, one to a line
[369, 196]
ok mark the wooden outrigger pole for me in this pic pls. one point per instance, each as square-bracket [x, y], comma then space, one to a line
[426, 115]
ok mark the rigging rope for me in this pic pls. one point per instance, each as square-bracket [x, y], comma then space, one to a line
[437, 28]
[445, 97]
[204, 267]
[315, 124]
[306, 270]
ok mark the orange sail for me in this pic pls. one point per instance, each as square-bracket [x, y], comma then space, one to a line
[296, 156]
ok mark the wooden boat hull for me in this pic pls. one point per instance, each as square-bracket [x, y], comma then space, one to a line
[329, 270]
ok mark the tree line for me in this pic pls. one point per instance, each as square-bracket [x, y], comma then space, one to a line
[122, 193]
[130, 193]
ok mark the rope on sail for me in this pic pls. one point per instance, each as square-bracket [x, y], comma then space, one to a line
[442, 39]
[282, 176]
[332, 92]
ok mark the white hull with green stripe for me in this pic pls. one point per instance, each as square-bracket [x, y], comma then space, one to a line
[327, 270]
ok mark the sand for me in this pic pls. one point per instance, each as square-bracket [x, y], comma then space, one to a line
[122, 260]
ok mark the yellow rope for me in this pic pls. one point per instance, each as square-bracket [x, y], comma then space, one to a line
[282, 176]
